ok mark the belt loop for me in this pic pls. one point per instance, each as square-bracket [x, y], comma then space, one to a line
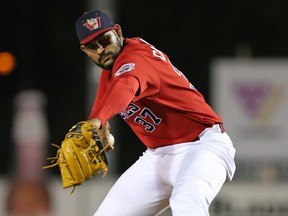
[221, 126]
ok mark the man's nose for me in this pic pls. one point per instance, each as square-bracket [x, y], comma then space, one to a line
[100, 49]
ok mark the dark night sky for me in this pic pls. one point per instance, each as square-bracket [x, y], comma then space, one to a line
[192, 33]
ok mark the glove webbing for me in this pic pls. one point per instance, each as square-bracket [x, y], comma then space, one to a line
[53, 159]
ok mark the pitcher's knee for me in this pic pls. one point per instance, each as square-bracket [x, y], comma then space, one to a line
[189, 204]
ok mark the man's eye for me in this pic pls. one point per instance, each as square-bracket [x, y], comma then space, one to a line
[92, 46]
[103, 38]
[104, 41]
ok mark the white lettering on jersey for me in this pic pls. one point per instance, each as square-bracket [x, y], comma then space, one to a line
[125, 68]
[182, 75]
[130, 110]
[157, 53]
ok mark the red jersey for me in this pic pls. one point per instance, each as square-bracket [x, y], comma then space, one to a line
[158, 102]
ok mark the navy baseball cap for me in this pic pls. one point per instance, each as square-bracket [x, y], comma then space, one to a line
[92, 24]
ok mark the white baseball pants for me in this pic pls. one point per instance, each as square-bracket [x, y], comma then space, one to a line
[186, 177]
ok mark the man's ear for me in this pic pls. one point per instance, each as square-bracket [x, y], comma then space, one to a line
[118, 30]
[83, 48]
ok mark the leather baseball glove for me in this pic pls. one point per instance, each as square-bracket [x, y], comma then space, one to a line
[81, 155]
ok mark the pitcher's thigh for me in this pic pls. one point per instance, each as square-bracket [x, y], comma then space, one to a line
[199, 180]
[138, 192]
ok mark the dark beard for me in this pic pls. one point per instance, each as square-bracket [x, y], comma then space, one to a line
[113, 56]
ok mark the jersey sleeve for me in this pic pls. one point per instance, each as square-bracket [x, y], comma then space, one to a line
[117, 96]
[133, 77]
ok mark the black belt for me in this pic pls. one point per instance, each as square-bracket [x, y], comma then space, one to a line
[221, 126]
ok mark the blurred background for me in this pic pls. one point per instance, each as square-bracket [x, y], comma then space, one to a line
[234, 52]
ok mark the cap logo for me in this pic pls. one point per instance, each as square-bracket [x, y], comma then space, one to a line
[93, 23]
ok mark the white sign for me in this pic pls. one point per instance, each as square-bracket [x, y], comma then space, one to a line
[251, 96]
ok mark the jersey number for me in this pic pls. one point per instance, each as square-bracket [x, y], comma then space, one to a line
[146, 117]
[143, 117]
